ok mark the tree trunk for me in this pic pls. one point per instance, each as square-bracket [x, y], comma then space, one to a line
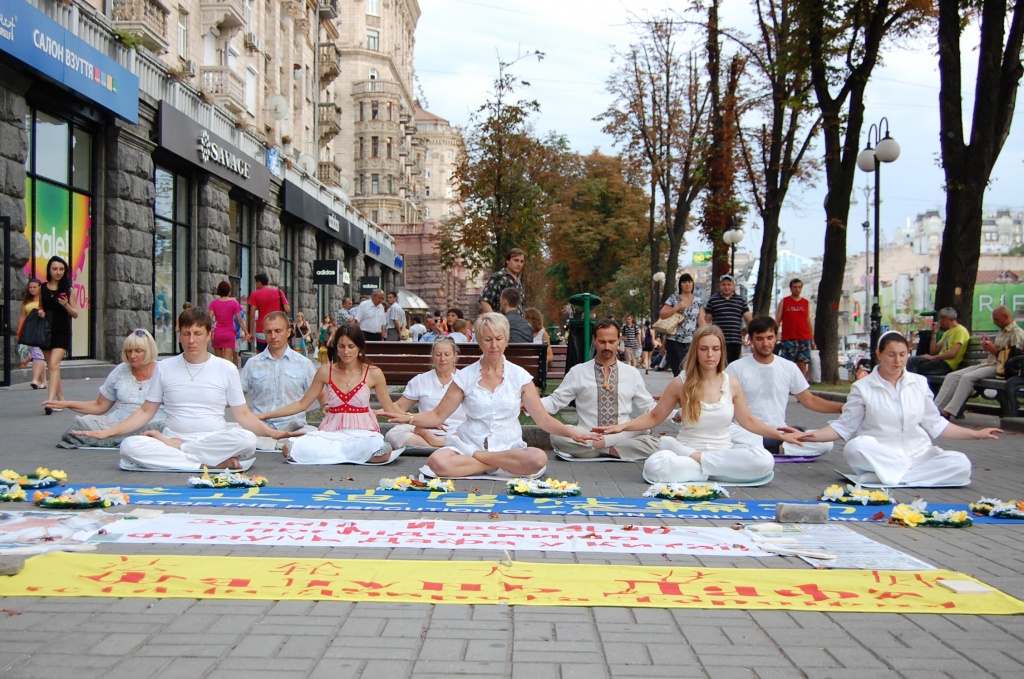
[961, 247]
[766, 271]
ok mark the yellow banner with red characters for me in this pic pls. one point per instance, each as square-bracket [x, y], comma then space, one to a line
[515, 583]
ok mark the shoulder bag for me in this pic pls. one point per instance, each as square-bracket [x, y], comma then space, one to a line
[36, 332]
[668, 326]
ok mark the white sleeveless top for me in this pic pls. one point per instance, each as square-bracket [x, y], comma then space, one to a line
[712, 431]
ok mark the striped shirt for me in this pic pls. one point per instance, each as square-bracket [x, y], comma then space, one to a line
[727, 314]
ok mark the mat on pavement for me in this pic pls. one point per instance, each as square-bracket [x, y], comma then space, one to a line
[493, 582]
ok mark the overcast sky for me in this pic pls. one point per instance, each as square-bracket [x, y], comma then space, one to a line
[458, 43]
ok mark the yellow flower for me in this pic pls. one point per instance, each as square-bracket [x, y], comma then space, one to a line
[908, 515]
[522, 487]
[42, 472]
[59, 474]
[10, 475]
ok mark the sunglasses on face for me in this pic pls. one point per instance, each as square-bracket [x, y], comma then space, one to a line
[137, 333]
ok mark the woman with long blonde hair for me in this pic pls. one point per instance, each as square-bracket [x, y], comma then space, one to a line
[708, 400]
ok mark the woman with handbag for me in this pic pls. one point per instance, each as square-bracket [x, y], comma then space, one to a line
[29, 302]
[687, 309]
[58, 306]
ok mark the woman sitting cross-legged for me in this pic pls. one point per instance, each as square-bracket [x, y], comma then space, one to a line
[708, 399]
[492, 392]
[425, 391]
[349, 432]
[889, 421]
[123, 392]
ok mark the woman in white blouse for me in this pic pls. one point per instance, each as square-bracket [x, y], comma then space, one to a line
[492, 392]
[425, 391]
[889, 421]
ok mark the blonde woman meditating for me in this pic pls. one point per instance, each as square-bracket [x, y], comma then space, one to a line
[708, 399]
[425, 391]
[492, 391]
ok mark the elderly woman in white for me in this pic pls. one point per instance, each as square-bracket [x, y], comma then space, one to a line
[889, 422]
[492, 392]
[424, 392]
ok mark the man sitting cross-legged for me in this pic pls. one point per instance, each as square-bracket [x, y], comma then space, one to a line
[276, 377]
[194, 388]
[768, 381]
[605, 390]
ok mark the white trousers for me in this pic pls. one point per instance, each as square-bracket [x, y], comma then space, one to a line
[638, 448]
[354, 446]
[739, 464]
[810, 449]
[198, 449]
[268, 443]
[892, 466]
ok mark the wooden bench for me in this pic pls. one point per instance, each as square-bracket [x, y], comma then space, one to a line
[401, 361]
[1008, 391]
[556, 371]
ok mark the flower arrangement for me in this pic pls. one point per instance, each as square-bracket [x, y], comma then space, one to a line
[547, 488]
[854, 495]
[42, 478]
[987, 506]
[424, 484]
[917, 514]
[226, 479]
[86, 498]
[11, 493]
[689, 492]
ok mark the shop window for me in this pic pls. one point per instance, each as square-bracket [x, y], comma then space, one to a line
[288, 250]
[59, 190]
[171, 219]
[241, 225]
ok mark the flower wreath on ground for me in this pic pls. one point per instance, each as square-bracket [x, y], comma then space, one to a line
[86, 498]
[917, 514]
[11, 493]
[855, 495]
[547, 488]
[226, 479]
[42, 478]
[423, 483]
[688, 492]
[997, 509]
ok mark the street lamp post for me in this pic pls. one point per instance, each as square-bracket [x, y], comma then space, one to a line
[885, 150]
[657, 279]
[732, 237]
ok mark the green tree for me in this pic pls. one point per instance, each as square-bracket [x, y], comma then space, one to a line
[503, 179]
[968, 164]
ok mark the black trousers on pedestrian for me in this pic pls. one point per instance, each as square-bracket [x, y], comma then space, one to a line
[676, 352]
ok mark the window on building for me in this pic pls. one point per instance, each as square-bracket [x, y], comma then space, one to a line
[250, 89]
[182, 34]
[426, 191]
[250, 24]
[288, 250]
[375, 183]
[373, 40]
[426, 173]
[391, 110]
[448, 192]
[241, 226]
[362, 184]
[391, 184]
[374, 110]
[451, 155]
[373, 74]
[389, 145]
[426, 213]
[171, 216]
[375, 147]
[362, 148]
[373, 7]
[375, 216]
[362, 111]
[59, 188]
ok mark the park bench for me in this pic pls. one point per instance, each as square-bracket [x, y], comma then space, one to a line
[556, 371]
[401, 361]
[1008, 391]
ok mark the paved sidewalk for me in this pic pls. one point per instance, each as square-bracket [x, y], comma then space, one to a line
[186, 638]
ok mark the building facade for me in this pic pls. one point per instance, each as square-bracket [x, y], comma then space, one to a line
[161, 150]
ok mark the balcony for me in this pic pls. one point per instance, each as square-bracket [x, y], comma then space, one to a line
[328, 9]
[227, 16]
[363, 87]
[330, 63]
[146, 19]
[226, 87]
[330, 173]
[329, 121]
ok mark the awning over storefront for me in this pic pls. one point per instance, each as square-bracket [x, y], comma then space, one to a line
[411, 301]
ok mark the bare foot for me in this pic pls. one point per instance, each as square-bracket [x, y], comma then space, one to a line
[286, 450]
[230, 463]
[166, 440]
[383, 457]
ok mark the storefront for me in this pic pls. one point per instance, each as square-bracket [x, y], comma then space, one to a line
[210, 200]
[72, 93]
[383, 261]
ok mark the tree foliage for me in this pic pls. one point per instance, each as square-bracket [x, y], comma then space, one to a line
[504, 179]
[968, 164]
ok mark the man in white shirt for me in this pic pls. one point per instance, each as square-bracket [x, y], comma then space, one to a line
[276, 377]
[768, 381]
[371, 317]
[606, 391]
[417, 329]
[194, 388]
[395, 318]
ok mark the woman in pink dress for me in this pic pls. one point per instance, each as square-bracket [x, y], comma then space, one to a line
[349, 432]
[226, 310]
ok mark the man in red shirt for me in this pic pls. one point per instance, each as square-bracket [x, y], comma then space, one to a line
[264, 299]
[794, 316]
